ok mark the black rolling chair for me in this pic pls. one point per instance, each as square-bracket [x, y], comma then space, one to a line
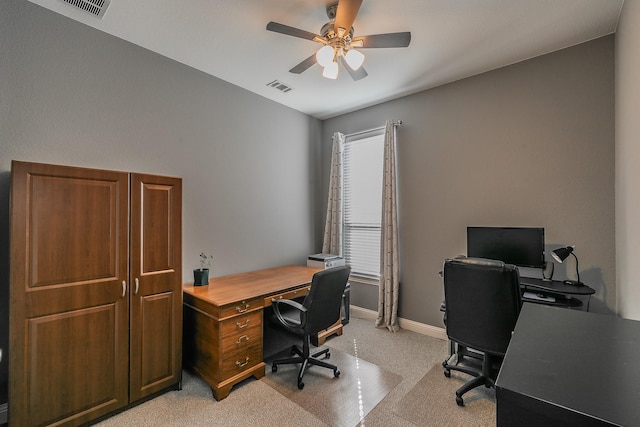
[482, 304]
[319, 310]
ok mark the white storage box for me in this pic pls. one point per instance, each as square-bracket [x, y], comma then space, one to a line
[324, 261]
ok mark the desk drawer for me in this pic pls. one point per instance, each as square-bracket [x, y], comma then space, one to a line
[234, 343]
[235, 335]
[239, 325]
[240, 307]
[300, 292]
[237, 362]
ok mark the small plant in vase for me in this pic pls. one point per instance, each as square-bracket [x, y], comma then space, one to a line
[201, 275]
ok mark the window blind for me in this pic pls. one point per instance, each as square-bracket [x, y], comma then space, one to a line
[362, 198]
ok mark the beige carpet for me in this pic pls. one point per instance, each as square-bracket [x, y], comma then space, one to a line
[405, 355]
[251, 403]
[432, 402]
[342, 401]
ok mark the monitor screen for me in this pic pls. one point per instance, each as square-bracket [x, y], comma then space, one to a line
[521, 246]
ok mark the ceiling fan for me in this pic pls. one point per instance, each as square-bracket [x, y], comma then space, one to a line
[339, 44]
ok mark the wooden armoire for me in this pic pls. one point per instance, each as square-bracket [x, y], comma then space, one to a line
[95, 293]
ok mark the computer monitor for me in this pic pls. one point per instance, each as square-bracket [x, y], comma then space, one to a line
[521, 246]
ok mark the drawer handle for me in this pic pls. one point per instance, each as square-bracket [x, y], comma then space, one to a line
[242, 338]
[240, 325]
[242, 310]
[240, 364]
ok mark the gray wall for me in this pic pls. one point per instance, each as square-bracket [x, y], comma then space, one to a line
[627, 159]
[531, 144]
[75, 96]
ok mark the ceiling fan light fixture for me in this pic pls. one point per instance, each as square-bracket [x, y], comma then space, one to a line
[331, 70]
[325, 55]
[338, 41]
[354, 59]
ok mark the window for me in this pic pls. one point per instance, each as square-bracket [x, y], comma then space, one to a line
[362, 198]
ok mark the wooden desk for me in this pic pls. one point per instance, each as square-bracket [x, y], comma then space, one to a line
[570, 368]
[222, 322]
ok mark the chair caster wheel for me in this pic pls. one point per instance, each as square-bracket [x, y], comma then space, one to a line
[459, 401]
[300, 385]
[336, 373]
[447, 373]
[328, 355]
[274, 368]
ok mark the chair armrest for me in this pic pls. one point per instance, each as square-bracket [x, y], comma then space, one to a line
[275, 303]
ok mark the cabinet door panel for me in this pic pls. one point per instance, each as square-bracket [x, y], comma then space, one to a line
[157, 338]
[62, 375]
[68, 309]
[68, 253]
[156, 267]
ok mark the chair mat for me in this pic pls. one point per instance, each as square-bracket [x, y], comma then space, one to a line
[432, 402]
[341, 401]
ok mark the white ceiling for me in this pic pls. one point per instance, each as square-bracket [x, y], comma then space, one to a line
[451, 39]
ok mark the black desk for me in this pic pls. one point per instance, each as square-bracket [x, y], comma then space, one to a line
[563, 295]
[568, 367]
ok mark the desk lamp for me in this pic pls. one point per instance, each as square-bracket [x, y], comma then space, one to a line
[560, 255]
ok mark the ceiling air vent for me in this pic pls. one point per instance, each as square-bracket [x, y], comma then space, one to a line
[94, 7]
[280, 86]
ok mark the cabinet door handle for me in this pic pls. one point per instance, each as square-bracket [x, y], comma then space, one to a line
[242, 338]
[124, 288]
[240, 325]
[137, 286]
[241, 364]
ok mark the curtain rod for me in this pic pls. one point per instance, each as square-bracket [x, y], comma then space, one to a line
[395, 123]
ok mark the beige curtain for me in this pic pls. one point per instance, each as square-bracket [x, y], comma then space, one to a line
[389, 251]
[332, 242]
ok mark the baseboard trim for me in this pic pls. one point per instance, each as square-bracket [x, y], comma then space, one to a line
[409, 325]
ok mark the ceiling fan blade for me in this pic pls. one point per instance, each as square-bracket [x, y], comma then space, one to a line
[291, 31]
[356, 75]
[383, 40]
[304, 65]
[345, 15]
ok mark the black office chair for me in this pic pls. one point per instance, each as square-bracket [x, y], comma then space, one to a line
[482, 304]
[319, 310]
